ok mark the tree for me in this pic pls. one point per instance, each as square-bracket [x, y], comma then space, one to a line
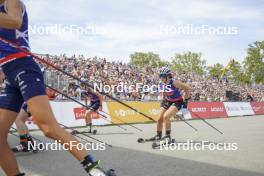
[189, 62]
[141, 59]
[236, 72]
[254, 64]
[215, 70]
[164, 64]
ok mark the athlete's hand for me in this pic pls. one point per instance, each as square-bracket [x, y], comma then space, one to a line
[2, 76]
[187, 97]
[185, 104]
[100, 108]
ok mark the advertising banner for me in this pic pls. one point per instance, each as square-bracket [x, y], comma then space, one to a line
[121, 113]
[207, 110]
[72, 114]
[258, 107]
[238, 109]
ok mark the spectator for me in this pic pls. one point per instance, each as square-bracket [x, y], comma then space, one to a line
[99, 70]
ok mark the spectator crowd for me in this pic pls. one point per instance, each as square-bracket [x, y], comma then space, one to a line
[100, 71]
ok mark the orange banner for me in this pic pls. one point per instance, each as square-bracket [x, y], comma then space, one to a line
[121, 113]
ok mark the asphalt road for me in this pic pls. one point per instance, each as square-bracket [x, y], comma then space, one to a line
[129, 158]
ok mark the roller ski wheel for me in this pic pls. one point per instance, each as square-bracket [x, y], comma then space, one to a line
[111, 172]
[141, 140]
[155, 145]
[95, 170]
[94, 132]
[23, 149]
[74, 132]
[100, 172]
[164, 141]
[153, 139]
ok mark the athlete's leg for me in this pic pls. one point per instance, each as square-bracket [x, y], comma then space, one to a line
[171, 112]
[20, 122]
[10, 103]
[164, 107]
[88, 119]
[43, 116]
[22, 129]
[7, 159]
[30, 82]
[160, 121]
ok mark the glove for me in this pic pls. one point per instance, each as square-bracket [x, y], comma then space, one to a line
[185, 103]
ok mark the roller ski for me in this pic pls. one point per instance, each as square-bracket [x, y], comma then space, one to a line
[167, 140]
[93, 168]
[25, 146]
[74, 132]
[153, 139]
[22, 149]
[94, 132]
[90, 130]
[97, 171]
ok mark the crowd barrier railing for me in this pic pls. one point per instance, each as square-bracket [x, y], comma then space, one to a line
[71, 114]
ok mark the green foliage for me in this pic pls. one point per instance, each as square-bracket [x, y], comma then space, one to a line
[236, 72]
[189, 62]
[141, 59]
[215, 70]
[164, 64]
[250, 71]
[254, 62]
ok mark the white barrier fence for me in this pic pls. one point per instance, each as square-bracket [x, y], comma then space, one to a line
[238, 109]
[71, 114]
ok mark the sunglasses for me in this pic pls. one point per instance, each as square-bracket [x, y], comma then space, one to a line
[163, 75]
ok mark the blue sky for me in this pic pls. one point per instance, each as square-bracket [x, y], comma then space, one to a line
[123, 27]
